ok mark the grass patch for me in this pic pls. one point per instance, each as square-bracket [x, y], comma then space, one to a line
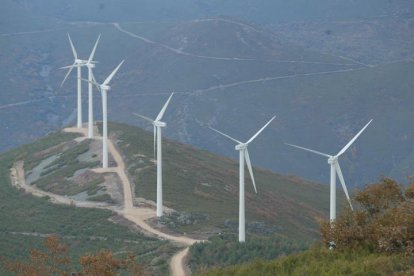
[102, 198]
[321, 261]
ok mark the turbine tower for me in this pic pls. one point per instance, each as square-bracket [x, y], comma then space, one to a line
[90, 66]
[335, 169]
[104, 88]
[158, 124]
[78, 63]
[243, 156]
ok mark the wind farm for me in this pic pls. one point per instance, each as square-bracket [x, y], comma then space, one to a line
[110, 193]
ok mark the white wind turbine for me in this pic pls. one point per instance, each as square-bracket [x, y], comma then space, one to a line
[158, 124]
[243, 155]
[78, 63]
[335, 169]
[104, 87]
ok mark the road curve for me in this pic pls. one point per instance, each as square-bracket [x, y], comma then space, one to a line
[137, 215]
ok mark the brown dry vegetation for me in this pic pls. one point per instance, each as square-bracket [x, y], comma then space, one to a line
[54, 260]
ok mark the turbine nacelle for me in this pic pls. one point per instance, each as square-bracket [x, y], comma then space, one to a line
[159, 124]
[79, 61]
[90, 65]
[105, 87]
[241, 146]
[332, 160]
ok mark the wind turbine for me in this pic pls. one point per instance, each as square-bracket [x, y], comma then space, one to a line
[158, 124]
[104, 88]
[78, 63]
[335, 169]
[243, 155]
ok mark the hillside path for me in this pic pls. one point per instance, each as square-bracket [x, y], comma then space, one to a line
[137, 215]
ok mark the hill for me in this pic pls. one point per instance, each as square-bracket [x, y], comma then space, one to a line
[26, 220]
[200, 191]
[201, 187]
[205, 185]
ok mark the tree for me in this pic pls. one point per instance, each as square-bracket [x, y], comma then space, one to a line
[55, 261]
[382, 222]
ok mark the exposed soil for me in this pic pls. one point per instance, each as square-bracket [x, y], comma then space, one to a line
[136, 214]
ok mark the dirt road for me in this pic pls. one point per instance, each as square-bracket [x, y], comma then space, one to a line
[137, 215]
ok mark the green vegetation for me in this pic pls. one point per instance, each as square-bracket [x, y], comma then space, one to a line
[103, 198]
[224, 250]
[321, 261]
[375, 239]
[56, 169]
[26, 219]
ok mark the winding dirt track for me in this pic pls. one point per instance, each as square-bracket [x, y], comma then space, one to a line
[137, 215]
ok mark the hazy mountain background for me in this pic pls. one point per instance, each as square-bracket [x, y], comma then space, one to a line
[323, 67]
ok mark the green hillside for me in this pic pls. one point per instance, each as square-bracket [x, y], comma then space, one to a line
[25, 220]
[201, 187]
[376, 238]
[205, 185]
[321, 261]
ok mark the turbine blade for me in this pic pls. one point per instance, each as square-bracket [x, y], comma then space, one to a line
[67, 67]
[109, 78]
[75, 55]
[67, 74]
[353, 139]
[341, 179]
[260, 130]
[225, 135]
[94, 49]
[144, 117]
[311, 150]
[95, 82]
[249, 166]
[159, 117]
